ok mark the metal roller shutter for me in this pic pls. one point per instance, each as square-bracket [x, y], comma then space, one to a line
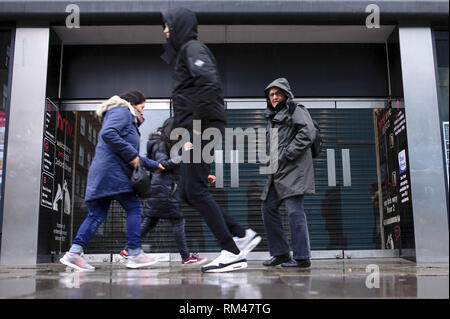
[339, 217]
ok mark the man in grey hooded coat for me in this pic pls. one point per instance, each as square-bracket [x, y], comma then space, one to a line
[293, 177]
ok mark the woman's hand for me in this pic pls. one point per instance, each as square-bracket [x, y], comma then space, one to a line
[134, 162]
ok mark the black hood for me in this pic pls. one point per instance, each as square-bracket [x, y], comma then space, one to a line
[156, 135]
[162, 134]
[153, 139]
[182, 24]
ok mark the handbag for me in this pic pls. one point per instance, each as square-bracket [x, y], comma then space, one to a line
[140, 179]
[140, 182]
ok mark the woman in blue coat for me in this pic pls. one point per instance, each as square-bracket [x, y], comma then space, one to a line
[116, 154]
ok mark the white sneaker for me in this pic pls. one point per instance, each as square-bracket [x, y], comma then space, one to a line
[247, 243]
[227, 261]
[76, 261]
[139, 261]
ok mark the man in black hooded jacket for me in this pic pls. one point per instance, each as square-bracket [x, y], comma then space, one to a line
[197, 95]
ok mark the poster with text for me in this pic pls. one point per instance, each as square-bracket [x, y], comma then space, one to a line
[56, 179]
[395, 179]
[2, 143]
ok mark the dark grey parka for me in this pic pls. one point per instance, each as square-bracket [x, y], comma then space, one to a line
[296, 133]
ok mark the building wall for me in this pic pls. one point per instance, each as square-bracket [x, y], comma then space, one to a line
[314, 70]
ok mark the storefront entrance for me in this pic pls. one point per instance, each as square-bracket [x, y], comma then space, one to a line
[348, 216]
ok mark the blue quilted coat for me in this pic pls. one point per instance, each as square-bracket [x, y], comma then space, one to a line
[118, 144]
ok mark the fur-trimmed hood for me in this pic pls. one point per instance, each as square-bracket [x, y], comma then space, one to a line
[114, 102]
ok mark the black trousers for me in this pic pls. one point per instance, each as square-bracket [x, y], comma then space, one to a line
[194, 190]
[149, 223]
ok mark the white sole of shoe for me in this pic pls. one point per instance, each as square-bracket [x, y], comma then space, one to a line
[195, 264]
[121, 260]
[232, 267]
[255, 241]
[68, 264]
[134, 266]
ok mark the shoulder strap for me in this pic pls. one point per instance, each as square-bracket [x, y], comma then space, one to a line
[292, 106]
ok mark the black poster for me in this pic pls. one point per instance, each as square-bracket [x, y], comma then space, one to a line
[395, 179]
[56, 180]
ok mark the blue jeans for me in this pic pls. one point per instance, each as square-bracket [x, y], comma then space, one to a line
[97, 214]
[276, 238]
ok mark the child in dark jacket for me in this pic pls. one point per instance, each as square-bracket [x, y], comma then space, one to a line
[165, 201]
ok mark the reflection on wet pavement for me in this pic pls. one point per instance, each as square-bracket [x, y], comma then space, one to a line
[362, 278]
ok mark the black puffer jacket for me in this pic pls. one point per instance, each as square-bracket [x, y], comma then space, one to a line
[165, 201]
[197, 93]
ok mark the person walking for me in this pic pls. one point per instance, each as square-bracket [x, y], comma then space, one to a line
[116, 153]
[165, 202]
[293, 178]
[197, 95]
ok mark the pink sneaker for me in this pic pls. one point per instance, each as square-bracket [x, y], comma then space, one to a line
[194, 259]
[124, 254]
[141, 260]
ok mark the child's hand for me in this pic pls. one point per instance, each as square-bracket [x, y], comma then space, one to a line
[159, 169]
[211, 179]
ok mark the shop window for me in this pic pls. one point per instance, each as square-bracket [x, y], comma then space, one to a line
[81, 156]
[90, 132]
[353, 216]
[442, 52]
[77, 184]
[89, 159]
[83, 126]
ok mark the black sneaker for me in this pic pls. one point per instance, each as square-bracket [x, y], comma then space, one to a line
[277, 260]
[297, 263]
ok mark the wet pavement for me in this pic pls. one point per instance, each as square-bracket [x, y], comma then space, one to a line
[340, 278]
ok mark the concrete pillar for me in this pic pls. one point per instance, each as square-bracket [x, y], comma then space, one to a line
[24, 156]
[428, 193]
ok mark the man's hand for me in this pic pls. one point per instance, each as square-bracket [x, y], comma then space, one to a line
[211, 179]
[159, 169]
[135, 162]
